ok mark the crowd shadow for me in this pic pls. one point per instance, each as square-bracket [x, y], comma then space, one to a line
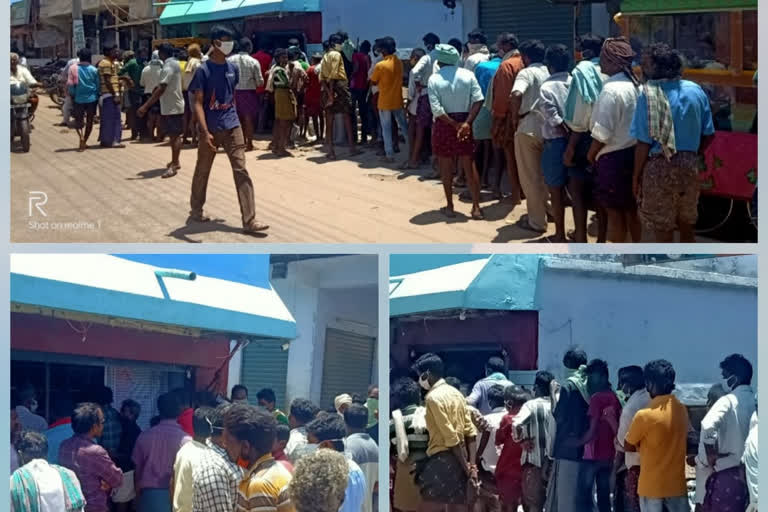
[438, 217]
[147, 175]
[193, 227]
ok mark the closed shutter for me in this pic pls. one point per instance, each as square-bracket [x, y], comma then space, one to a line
[144, 384]
[533, 19]
[265, 365]
[347, 365]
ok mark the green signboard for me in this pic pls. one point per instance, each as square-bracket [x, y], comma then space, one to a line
[678, 6]
[20, 13]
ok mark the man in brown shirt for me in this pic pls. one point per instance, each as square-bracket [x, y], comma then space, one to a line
[502, 129]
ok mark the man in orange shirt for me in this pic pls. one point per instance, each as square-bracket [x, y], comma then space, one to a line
[659, 433]
[503, 125]
[388, 77]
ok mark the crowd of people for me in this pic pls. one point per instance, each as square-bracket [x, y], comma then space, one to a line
[202, 453]
[575, 444]
[594, 135]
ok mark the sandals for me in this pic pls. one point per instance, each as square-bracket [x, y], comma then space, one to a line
[171, 171]
[255, 227]
[523, 223]
[199, 217]
[478, 215]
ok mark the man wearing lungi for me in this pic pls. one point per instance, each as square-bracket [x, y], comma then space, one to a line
[455, 98]
[448, 478]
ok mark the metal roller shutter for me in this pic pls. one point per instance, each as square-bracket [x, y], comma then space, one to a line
[533, 19]
[265, 365]
[347, 365]
[143, 384]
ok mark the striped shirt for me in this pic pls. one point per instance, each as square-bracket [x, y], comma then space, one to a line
[265, 488]
[417, 441]
[535, 417]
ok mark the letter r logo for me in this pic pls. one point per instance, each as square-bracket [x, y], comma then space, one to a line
[37, 200]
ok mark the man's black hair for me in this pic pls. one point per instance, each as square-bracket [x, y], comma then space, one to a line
[496, 396]
[217, 417]
[166, 49]
[431, 39]
[632, 376]
[283, 432]
[591, 45]
[266, 394]
[294, 53]
[598, 366]
[557, 58]
[661, 374]
[303, 410]
[219, 32]
[26, 393]
[85, 55]
[388, 45]
[738, 365]
[343, 35]
[104, 396]
[248, 423]
[327, 428]
[357, 398]
[405, 392]
[245, 45]
[154, 421]
[335, 39]
[239, 387]
[32, 445]
[365, 47]
[456, 43]
[533, 49]
[205, 398]
[131, 405]
[84, 417]
[453, 382]
[496, 365]
[356, 416]
[515, 395]
[168, 406]
[201, 422]
[574, 358]
[430, 363]
[477, 35]
[62, 406]
[667, 62]
[543, 382]
[326, 45]
[183, 397]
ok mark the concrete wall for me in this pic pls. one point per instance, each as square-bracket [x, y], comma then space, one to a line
[405, 20]
[631, 320]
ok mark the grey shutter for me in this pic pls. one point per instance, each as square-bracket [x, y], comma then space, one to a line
[265, 365]
[347, 365]
[533, 19]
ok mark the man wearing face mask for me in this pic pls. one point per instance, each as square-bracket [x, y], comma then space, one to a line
[329, 432]
[26, 411]
[724, 431]
[214, 90]
[249, 435]
[633, 387]
[450, 469]
[659, 434]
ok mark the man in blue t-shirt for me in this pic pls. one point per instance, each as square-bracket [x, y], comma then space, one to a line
[213, 88]
[669, 147]
[83, 82]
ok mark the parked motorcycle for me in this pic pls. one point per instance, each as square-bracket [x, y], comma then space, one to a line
[56, 89]
[20, 118]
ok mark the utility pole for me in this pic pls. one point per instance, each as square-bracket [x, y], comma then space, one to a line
[78, 31]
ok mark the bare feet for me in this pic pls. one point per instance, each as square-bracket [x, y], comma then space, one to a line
[477, 214]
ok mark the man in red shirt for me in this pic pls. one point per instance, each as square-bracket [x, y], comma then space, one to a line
[283, 434]
[187, 412]
[264, 56]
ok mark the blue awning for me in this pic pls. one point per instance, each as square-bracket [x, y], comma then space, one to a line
[196, 11]
[110, 287]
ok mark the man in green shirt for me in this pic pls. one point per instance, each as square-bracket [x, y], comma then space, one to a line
[268, 400]
[131, 72]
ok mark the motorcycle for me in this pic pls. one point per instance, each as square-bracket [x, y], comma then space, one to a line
[20, 118]
[56, 89]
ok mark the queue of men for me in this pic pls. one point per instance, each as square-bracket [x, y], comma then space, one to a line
[575, 444]
[202, 453]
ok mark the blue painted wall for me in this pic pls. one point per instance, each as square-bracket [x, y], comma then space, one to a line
[400, 264]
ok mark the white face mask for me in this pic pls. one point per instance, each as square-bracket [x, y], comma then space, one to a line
[227, 47]
[424, 382]
[726, 384]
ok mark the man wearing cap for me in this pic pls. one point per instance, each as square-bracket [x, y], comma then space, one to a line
[455, 98]
[341, 403]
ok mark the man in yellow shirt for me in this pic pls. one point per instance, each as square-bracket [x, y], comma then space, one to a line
[336, 94]
[450, 465]
[659, 434]
[249, 434]
[388, 77]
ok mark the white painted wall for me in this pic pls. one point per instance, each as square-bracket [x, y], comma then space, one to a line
[405, 20]
[628, 321]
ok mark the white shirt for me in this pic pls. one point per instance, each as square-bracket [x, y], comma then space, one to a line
[552, 97]
[150, 77]
[188, 458]
[172, 100]
[528, 83]
[727, 425]
[613, 112]
[50, 488]
[639, 400]
[297, 439]
[30, 420]
[22, 76]
[193, 65]
[425, 68]
[535, 416]
[750, 462]
[453, 90]
[476, 58]
[376, 59]
[251, 77]
[582, 111]
[492, 452]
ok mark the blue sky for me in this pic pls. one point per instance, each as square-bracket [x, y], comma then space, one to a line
[252, 269]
